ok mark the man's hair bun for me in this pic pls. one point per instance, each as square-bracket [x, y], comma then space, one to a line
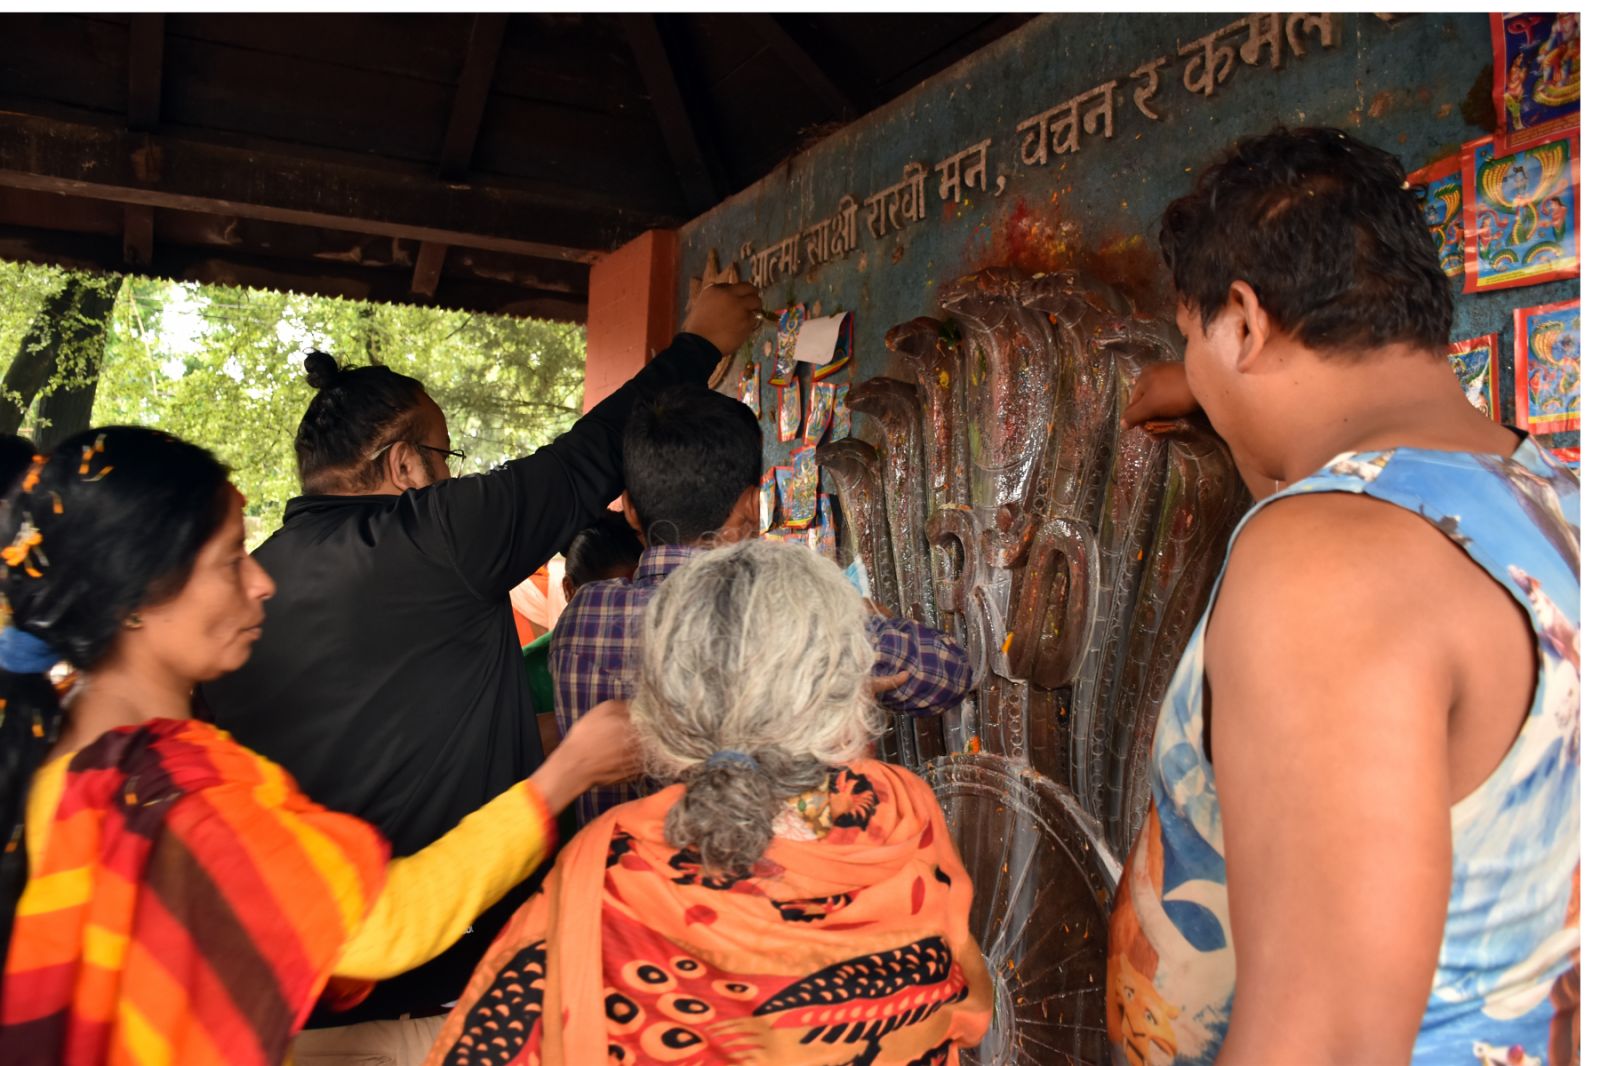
[320, 370]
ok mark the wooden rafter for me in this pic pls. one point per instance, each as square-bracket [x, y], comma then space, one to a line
[217, 266]
[689, 155]
[789, 52]
[108, 163]
[461, 136]
[146, 37]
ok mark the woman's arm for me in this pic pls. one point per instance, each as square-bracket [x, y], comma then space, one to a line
[430, 898]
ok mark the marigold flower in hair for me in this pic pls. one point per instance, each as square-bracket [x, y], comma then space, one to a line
[31, 482]
[26, 545]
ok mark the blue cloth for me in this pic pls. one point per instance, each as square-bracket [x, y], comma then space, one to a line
[24, 653]
[737, 758]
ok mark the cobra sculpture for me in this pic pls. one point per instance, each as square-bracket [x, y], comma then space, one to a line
[1002, 501]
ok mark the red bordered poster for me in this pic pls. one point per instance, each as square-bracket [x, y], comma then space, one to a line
[1547, 368]
[1443, 205]
[1522, 212]
[1569, 458]
[1535, 76]
[1476, 362]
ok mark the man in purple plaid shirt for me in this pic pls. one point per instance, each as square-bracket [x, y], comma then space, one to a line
[692, 468]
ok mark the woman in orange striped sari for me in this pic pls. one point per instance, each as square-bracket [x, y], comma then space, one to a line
[787, 900]
[166, 895]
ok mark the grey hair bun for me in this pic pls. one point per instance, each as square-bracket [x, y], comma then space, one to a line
[727, 809]
[321, 370]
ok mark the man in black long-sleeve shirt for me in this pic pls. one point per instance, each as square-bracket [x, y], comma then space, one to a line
[388, 679]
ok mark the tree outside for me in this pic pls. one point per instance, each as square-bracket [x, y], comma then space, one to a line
[222, 367]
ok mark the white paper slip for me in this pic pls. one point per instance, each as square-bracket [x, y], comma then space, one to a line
[817, 338]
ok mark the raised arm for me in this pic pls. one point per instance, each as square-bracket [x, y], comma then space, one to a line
[503, 525]
[1329, 716]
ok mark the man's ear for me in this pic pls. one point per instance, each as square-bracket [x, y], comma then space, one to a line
[744, 520]
[632, 515]
[395, 466]
[1254, 327]
[567, 588]
[406, 467]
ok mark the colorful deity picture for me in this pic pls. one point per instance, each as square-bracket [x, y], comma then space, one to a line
[1476, 362]
[783, 366]
[769, 499]
[820, 418]
[789, 410]
[1547, 371]
[1535, 76]
[750, 388]
[1521, 213]
[800, 503]
[1441, 206]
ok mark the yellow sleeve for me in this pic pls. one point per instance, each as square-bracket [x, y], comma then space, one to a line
[430, 898]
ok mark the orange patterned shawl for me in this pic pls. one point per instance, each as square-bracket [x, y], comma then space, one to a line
[188, 909]
[852, 947]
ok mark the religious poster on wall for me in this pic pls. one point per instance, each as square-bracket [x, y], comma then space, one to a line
[1569, 458]
[784, 476]
[783, 366]
[824, 536]
[789, 410]
[820, 418]
[1547, 370]
[769, 499]
[1522, 211]
[800, 506]
[750, 388]
[1442, 205]
[1535, 76]
[1476, 362]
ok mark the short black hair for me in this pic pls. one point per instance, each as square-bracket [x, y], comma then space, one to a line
[356, 410]
[602, 547]
[687, 454]
[1325, 229]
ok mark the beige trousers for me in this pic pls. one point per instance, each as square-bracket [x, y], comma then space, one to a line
[402, 1042]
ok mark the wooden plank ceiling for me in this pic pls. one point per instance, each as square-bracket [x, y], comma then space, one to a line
[464, 161]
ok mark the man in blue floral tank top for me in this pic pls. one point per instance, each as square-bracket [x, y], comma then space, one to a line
[1379, 711]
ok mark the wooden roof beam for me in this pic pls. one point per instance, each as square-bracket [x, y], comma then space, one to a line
[106, 163]
[689, 155]
[461, 135]
[472, 93]
[146, 37]
[789, 52]
[80, 251]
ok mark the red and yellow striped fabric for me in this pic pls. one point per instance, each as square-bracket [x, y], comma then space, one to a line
[188, 908]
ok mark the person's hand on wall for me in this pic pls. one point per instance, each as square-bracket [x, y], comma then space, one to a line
[1161, 391]
[725, 315]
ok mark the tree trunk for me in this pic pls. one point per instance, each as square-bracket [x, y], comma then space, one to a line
[73, 325]
[35, 360]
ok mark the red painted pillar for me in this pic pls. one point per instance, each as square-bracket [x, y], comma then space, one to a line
[633, 295]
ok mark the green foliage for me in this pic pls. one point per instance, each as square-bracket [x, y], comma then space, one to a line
[223, 367]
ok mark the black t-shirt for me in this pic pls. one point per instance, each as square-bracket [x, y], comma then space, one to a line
[389, 680]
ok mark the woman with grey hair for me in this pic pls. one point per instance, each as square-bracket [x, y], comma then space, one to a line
[787, 898]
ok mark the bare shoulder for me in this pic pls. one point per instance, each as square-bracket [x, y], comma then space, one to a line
[1332, 599]
[1331, 550]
